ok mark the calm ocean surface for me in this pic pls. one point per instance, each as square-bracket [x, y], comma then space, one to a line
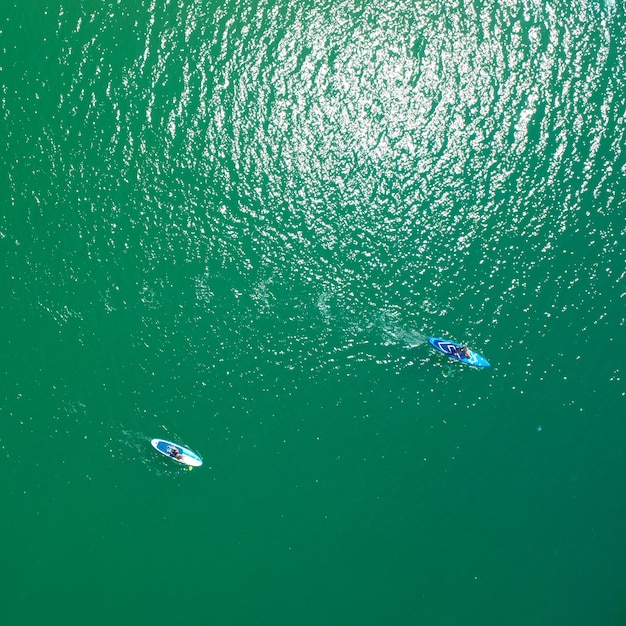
[235, 225]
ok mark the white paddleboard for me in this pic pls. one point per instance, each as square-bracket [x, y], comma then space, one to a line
[176, 452]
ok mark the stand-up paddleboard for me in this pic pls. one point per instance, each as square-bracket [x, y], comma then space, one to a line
[176, 452]
[452, 349]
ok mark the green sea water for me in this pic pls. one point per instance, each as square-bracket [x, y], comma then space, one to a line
[235, 225]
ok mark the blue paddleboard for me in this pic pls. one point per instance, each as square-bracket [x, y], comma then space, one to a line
[176, 452]
[450, 348]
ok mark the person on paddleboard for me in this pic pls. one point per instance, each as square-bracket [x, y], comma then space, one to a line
[175, 453]
[462, 352]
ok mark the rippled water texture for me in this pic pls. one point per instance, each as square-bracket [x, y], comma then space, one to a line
[238, 222]
[373, 157]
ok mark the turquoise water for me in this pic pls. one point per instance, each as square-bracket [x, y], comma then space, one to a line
[235, 225]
